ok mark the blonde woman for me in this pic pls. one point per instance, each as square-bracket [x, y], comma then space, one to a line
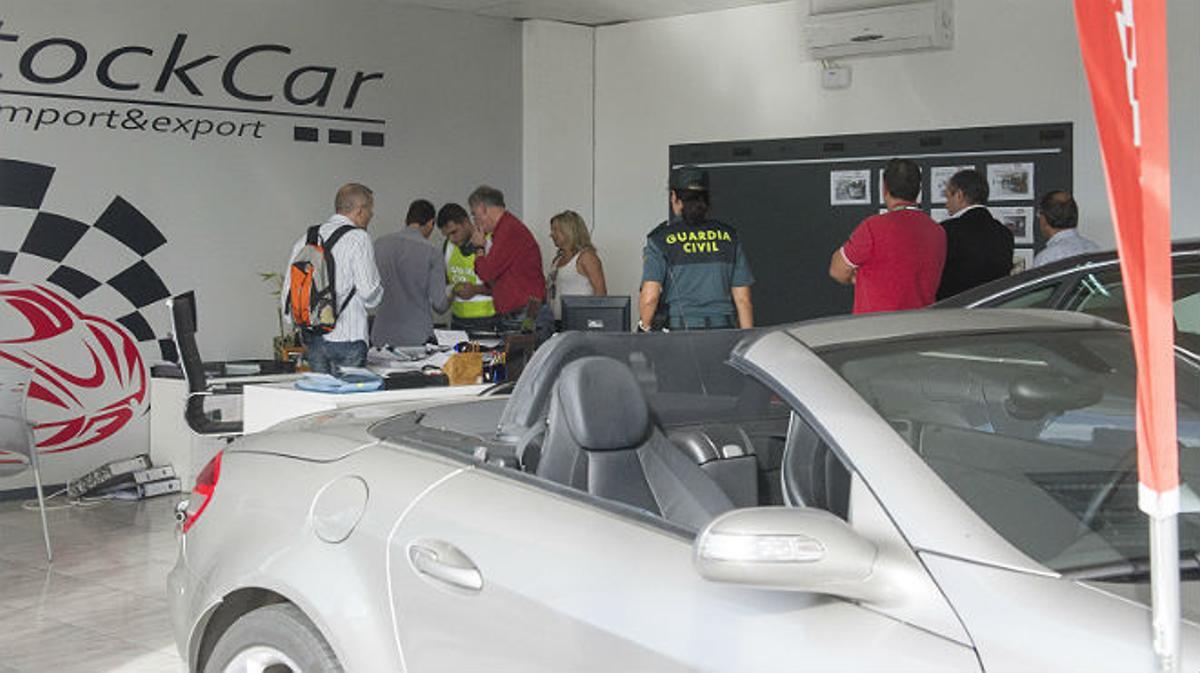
[576, 268]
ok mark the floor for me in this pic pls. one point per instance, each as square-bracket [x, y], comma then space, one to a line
[101, 607]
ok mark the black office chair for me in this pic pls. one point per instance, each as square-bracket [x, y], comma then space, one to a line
[183, 320]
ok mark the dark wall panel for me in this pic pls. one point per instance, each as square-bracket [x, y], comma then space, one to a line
[776, 192]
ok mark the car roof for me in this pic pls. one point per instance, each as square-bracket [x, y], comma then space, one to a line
[1184, 247]
[860, 329]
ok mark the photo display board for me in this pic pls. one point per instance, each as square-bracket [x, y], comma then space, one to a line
[796, 200]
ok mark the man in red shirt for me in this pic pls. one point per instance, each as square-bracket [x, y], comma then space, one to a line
[510, 262]
[894, 260]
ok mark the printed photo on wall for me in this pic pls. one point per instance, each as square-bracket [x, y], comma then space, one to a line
[939, 214]
[1019, 220]
[1010, 182]
[849, 188]
[1022, 260]
[920, 194]
[938, 177]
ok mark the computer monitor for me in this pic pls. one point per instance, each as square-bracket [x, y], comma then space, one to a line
[584, 313]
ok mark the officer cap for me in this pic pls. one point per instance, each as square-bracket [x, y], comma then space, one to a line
[689, 178]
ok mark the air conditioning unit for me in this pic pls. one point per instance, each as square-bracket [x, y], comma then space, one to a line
[916, 26]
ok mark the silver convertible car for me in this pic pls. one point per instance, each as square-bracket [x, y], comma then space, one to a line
[928, 491]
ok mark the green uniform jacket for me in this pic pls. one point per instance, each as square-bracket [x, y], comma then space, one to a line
[698, 266]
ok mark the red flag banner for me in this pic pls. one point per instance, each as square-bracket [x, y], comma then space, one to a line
[1124, 47]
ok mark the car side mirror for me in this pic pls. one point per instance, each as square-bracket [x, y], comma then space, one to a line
[798, 549]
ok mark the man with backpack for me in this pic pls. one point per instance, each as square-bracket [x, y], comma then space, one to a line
[332, 281]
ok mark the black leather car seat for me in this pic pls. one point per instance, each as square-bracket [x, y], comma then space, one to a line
[600, 439]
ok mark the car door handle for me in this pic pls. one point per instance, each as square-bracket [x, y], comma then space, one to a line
[444, 563]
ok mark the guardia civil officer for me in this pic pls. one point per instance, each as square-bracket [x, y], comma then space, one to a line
[694, 265]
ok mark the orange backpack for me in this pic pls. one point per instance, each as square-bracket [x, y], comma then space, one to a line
[312, 294]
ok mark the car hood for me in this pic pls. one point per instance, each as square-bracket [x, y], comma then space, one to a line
[1139, 592]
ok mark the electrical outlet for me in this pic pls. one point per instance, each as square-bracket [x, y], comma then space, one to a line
[835, 77]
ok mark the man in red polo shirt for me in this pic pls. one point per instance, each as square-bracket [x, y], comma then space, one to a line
[510, 262]
[894, 260]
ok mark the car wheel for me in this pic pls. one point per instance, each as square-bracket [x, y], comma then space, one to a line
[272, 639]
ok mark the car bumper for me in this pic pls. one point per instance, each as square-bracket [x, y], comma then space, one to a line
[183, 587]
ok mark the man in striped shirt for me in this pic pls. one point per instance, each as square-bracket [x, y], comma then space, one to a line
[355, 277]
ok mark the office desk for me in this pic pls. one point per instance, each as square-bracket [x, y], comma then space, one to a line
[172, 442]
[267, 404]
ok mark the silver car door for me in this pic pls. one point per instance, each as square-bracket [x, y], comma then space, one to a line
[491, 572]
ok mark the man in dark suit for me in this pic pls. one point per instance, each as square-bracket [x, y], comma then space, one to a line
[978, 248]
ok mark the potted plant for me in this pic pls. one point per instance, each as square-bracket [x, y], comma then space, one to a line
[287, 344]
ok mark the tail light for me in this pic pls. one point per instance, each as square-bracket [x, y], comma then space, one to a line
[206, 483]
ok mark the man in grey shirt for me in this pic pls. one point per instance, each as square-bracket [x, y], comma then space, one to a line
[413, 275]
[1058, 218]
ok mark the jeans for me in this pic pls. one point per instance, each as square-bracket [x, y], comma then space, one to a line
[328, 356]
[515, 321]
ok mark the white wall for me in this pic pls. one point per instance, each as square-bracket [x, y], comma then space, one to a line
[229, 207]
[557, 102]
[1183, 57]
[451, 96]
[743, 74]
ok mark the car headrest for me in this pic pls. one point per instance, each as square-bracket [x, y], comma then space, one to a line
[602, 404]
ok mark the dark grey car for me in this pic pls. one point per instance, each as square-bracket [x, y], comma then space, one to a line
[1092, 284]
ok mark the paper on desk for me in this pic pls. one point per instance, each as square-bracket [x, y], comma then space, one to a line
[438, 359]
[393, 367]
[450, 337]
[383, 362]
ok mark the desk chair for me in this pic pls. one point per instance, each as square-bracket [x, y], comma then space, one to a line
[183, 321]
[518, 349]
[16, 436]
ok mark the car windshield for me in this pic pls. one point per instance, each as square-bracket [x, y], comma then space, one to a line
[1035, 432]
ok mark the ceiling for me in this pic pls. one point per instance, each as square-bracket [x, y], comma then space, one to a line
[586, 12]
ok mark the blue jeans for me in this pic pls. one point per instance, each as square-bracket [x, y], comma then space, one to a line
[327, 356]
[515, 321]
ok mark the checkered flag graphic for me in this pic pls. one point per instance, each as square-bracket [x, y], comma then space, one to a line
[102, 263]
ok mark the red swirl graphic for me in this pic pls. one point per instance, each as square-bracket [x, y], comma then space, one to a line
[88, 376]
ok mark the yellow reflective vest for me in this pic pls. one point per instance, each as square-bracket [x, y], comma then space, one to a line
[460, 268]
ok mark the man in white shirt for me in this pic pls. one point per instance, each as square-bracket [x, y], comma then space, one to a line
[355, 276]
[1058, 218]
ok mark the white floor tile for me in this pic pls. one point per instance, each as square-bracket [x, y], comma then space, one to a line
[100, 607]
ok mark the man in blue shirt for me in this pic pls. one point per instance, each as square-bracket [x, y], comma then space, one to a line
[694, 264]
[1058, 218]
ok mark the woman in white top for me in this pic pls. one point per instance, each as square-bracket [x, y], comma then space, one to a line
[576, 268]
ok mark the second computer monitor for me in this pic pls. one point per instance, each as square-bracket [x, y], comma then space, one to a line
[586, 313]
